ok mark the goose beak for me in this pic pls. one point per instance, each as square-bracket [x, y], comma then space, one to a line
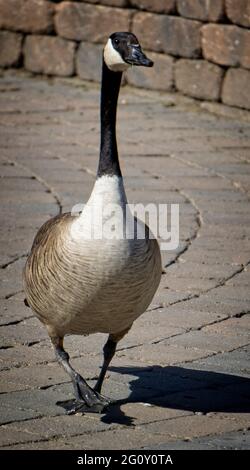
[137, 57]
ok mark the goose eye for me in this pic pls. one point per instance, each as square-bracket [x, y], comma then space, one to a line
[117, 41]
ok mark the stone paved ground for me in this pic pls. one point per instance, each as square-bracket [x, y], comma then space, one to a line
[181, 376]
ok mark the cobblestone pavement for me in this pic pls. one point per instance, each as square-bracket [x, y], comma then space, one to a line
[181, 375]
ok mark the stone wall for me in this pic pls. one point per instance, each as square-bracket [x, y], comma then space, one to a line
[201, 48]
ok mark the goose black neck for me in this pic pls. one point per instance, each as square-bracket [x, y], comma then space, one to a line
[109, 162]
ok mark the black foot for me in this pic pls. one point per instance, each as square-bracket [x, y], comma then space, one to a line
[87, 400]
[78, 406]
[85, 394]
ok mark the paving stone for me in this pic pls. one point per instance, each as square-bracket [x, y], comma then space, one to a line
[235, 362]
[242, 279]
[104, 440]
[170, 366]
[170, 353]
[212, 258]
[145, 412]
[11, 279]
[111, 439]
[13, 310]
[211, 401]
[197, 269]
[25, 378]
[205, 377]
[26, 332]
[145, 332]
[7, 415]
[230, 293]
[216, 303]
[163, 298]
[51, 427]
[188, 427]
[231, 327]
[18, 406]
[239, 440]
[148, 384]
[23, 355]
[182, 317]
[209, 340]
[25, 375]
[190, 285]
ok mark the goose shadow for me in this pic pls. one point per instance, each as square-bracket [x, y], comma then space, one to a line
[198, 391]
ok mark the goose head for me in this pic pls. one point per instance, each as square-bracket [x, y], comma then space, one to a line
[123, 50]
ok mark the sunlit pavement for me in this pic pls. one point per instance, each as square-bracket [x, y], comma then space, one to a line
[181, 376]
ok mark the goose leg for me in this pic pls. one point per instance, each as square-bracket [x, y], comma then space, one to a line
[87, 399]
[108, 353]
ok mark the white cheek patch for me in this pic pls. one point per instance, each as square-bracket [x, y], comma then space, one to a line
[113, 60]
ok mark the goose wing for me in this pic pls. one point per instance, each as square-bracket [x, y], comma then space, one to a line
[47, 229]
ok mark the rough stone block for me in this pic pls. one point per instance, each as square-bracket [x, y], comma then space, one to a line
[113, 3]
[89, 61]
[201, 9]
[30, 16]
[226, 45]
[84, 22]
[160, 77]
[236, 88]
[10, 48]
[49, 55]
[173, 35]
[198, 78]
[238, 12]
[157, 6]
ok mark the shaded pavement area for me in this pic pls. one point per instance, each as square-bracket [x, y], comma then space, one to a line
[181, 375]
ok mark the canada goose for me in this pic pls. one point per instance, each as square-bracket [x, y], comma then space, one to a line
[80, 285]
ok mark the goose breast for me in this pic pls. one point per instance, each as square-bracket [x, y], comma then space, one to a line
[88, 286]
